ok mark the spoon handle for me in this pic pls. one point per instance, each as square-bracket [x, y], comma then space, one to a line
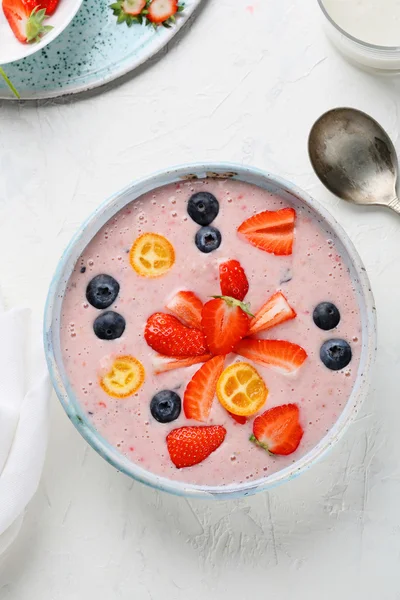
[395, 205]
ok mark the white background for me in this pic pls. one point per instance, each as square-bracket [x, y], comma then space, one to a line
[240, 85]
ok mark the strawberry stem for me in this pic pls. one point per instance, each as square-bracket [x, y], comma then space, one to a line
[255, 441]
[35, 29]
[9, 83]
[245, 306]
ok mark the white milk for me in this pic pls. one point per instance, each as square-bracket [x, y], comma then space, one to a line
[372, 21]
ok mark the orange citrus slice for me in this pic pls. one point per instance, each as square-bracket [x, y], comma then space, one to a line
[152, 255]
[124, 378]
[241, 390]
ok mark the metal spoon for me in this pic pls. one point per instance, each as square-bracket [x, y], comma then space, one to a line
[354, 158]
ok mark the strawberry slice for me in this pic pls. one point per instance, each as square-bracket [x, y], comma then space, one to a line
[275, 311]
[200, 391]
[189, 446]
[162, 10]
[166, 335]
[278, 430]
[133, 7]
[282, 355]
[162, 364]
[187, 307]
[239, 419]
[233, 280]
[26, 24]
[225, 322]
[271, 231]
[128, 11]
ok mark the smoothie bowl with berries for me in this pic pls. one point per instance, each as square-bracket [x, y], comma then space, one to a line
[210, 331]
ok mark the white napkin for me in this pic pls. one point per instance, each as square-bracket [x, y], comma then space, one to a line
[24, 394]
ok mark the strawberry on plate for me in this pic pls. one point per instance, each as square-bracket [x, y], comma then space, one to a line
[133, 7]
[26, 23]
[168, 336]
[225, 322]
[163, 364]
[187, 307]
[159, 11]
[271, 231]
[49, 5]
[233, 280]
[189, 446]
[200, 391]
[128, 11]
[280, 354]
[278, 430]
[275, 311]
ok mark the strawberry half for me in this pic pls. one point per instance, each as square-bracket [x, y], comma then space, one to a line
[282, 355]
[233, 280]
[129, 11]
[162, 364]
[49, 5]
[187, 307]
[275, 311]
[225, 322]
[166, 335]
[26, 24]
[278, 430]
[133, 7]
[162, 10]
[200, 391]
[271, 231]
[189, 446]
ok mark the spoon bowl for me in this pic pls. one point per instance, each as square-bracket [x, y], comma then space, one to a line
[354, 158]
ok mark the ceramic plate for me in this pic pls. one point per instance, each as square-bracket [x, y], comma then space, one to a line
[92, 51]
[11, 49]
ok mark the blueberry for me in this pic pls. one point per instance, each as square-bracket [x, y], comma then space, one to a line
[109, 325]
[166, 406]
[101, 291]
[203, 207]
[335, 354]
[208, 239]
[83, 269]
[326, 316]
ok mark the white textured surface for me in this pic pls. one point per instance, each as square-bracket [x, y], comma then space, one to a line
[243, 87]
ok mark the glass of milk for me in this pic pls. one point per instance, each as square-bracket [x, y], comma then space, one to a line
[366, 31]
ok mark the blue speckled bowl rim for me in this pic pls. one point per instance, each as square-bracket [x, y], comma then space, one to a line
[119, 69]
[86, 232]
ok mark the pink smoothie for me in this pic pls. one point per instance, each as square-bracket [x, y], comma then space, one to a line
[314, 273]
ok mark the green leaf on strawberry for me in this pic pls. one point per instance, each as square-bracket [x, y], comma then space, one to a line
[34, 26]
[233, 302]
[153, 12]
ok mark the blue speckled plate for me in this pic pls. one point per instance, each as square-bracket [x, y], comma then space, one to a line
[92, 51]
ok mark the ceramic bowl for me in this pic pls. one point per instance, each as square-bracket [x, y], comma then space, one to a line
[11, 49]
[99, 218]
[371, 57]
